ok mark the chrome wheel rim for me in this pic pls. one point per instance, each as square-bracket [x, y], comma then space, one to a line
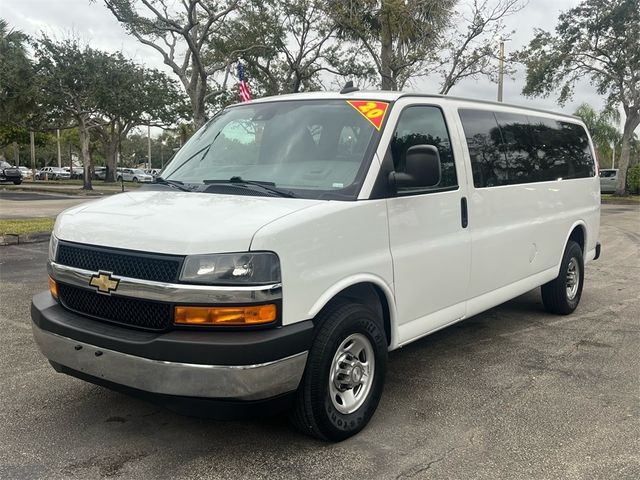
[351, 375]
[573, 278]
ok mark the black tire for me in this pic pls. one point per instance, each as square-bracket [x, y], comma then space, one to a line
[17, 182]
[555, 294]
[314, 411]
[135, 179]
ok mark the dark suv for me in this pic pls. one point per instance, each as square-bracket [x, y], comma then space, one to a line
[9, 173]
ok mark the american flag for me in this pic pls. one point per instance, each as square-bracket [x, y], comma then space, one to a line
[245, 94]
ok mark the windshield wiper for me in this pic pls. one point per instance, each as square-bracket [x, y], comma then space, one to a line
[171, 183]
[267, 186]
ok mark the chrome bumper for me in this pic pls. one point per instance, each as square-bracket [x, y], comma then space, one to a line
[243, 382]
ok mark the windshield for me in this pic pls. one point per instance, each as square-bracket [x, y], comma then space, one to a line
[311, 148]
[138, 172]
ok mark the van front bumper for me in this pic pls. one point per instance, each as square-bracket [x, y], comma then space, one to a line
[239, 366]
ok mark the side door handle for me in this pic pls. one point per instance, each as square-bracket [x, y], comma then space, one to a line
[464, 213]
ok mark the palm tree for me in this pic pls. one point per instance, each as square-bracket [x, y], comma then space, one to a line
[603, 127]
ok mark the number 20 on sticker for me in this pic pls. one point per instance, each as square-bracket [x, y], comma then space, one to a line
[372, 111]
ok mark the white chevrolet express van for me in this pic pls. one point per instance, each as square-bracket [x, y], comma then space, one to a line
[295, 240]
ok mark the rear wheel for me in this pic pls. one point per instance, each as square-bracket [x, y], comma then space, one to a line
[562, 295]
[17, 182]
[345, 373]
[135, 179]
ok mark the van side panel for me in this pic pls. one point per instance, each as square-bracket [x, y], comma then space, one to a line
[519, 231]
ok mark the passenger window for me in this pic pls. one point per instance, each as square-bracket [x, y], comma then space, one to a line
[424, 126]
[508, 149]
[518, 148]
[488, 163]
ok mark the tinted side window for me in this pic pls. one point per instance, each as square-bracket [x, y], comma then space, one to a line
[488, 163]
[578, 153]
[518, 148]
[546, 137]
[424, 126]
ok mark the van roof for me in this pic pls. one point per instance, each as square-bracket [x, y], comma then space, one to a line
[389, 96]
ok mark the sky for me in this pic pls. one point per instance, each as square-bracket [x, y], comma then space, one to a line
[92, 22]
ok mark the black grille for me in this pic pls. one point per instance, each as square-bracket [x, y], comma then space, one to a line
[157, 268]
[128, 311]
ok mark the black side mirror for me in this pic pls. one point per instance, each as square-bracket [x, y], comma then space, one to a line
[422, 169]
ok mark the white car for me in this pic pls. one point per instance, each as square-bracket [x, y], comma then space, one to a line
[26, 173]
[294, 241]
[608, 180]
[133, 175]
[52, 173]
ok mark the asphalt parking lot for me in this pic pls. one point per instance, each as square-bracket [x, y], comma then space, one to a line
[513, 393]
[16, 204]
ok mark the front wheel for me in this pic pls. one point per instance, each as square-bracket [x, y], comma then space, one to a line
[17, 182]
[562, 295]
[344, 376]
[135, 179]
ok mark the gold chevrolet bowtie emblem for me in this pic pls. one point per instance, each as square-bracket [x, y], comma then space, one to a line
[104, 282]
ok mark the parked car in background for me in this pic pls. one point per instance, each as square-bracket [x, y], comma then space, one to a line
[52, 173]
[154, 172]
[26, 172]
[100, 173]
[9, 173]
[134, 175]
[76, 172]
[608, 180]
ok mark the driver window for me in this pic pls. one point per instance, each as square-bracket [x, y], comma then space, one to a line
[420, 125]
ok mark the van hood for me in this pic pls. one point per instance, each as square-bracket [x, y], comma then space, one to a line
[174, 222]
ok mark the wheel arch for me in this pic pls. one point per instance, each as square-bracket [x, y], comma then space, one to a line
[578, 233]
[368, 290]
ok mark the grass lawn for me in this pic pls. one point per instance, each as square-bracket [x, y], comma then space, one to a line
[20, 226]
[629, 199]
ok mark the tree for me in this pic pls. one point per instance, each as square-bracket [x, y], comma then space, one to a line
[295, 42]
[470, 51]
[133, 96]
[18, 92]
[72, 81]
[182, 33]
[598, 40]
[603, 127]
[399, 36]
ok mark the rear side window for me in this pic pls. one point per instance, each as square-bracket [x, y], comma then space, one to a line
[488, 164]
[532, 148]
[424, 125]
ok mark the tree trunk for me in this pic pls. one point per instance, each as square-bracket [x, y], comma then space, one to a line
[197, 103]
[631, 123]
[16, 154]
[386, 55]
[112, 151]
[84, 150]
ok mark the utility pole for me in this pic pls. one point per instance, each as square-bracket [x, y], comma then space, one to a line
[149, 145]
[501, 72]
[613, 156]
[59, 153]
[33, 152]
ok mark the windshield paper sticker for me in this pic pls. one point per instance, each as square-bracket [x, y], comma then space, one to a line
[372, 111]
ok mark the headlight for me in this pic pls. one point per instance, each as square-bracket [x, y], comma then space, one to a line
[53, 247]
[248, 268]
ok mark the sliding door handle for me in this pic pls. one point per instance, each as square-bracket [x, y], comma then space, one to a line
[464, 213]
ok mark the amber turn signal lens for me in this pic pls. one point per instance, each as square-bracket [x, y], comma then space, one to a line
[53, 288]
[232, 316]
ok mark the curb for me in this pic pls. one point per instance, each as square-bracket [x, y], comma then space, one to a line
[13, 239]
[61, 191]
